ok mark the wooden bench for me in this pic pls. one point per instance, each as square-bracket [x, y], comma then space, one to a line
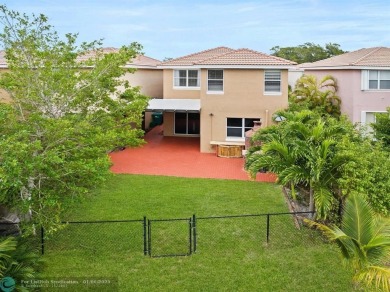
[229, 148]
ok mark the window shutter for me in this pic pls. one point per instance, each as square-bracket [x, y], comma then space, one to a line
[364, 79]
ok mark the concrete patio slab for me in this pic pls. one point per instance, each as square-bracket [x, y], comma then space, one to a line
[179, 156]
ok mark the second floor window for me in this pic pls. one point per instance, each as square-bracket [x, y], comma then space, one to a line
[215, 80]
[379, 79]
[186, 78]
[272, 81]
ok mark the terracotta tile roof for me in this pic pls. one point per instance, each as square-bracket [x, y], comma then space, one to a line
[246, 57]
[142, 60]
[91, 54]
[228, 56]
[371, 57]
[138, 61]
[195, 58]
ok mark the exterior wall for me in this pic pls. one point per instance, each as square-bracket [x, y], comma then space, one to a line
[149, 80]
[4, 96]
[169, 123]
[243, 97]
[354, 100]
[293, 76]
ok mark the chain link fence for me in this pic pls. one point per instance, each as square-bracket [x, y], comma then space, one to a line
[97, 237]
[182, 236]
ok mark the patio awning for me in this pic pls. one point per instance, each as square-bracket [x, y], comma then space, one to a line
[172, 105]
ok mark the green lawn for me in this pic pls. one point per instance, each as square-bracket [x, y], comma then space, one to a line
[232, 254]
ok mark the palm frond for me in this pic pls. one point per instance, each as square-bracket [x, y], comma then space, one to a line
[324, 200]
[358, 219]
[336, 235]
[375, 276]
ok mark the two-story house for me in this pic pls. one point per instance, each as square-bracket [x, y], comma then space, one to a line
[147, 76]
[363, 79]
[219, 93]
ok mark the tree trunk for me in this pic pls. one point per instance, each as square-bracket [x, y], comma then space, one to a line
[293, 193]
[311, 202]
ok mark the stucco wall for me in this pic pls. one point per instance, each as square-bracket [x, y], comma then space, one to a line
[170, 92]
[243, 97]
[149, 80]
[353, 99]
[4, 96]
[169, 124]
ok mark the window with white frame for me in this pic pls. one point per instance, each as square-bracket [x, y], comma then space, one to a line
[272, 81]
[186, 78]
[379, 79]
[215, 80]
[236, 127]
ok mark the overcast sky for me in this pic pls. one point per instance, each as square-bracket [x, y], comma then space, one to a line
[168, 28]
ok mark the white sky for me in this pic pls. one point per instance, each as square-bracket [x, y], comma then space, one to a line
[168, 28]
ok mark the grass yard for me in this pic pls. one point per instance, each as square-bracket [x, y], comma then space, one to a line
[232, 254]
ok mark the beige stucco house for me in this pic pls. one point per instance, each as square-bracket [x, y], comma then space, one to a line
[217, 94]
[363, 79]
[147, 76]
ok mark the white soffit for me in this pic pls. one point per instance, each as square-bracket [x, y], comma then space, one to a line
[173, 105]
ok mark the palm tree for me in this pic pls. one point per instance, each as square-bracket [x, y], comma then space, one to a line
[6, 246]
[364, 242]
[19, 261]
[318, 94]
[302, 150]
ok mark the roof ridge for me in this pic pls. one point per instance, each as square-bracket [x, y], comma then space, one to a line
[267, 55]
[374, 50]
[198, 53]
[147, 57]
[220, 55]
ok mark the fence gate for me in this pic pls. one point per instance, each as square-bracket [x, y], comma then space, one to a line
[171, 237]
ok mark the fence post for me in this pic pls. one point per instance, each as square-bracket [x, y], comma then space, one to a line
[190, 235]
[194, 230]
[145, 237]
[149, 238]
[42, 240]
[268, 227]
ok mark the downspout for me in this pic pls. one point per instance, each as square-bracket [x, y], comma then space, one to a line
[266, 118]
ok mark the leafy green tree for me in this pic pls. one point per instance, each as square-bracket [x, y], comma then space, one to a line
[382, 128]
[69, 108]
[316, 95]
[308, 52]
[368, 174]
[364, 242]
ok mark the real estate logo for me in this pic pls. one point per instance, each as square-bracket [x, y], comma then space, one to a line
[7, 284]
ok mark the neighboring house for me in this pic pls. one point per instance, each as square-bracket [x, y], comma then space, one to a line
[217, 94]
[147, 76]
[363, 79]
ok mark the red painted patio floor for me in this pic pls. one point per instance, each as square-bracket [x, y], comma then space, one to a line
[178, 156]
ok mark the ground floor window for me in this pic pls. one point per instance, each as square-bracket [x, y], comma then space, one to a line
[236, 127]
[369, 118]
[187, 123]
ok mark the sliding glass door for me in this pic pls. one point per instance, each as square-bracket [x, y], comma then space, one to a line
[187, 123]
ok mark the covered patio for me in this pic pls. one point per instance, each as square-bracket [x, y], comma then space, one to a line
[180, 157]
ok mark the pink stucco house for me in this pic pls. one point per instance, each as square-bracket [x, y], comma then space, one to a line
[363, 78]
